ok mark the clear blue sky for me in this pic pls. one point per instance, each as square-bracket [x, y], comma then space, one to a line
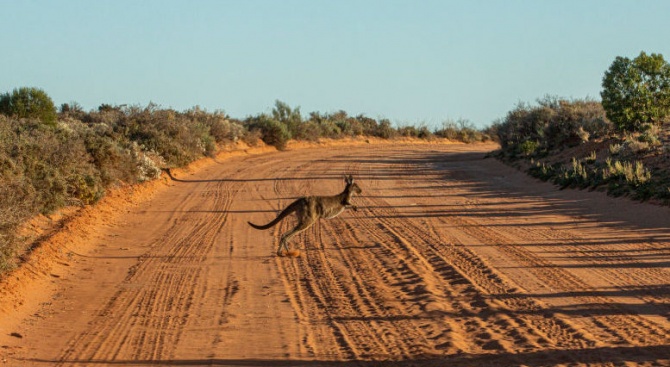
[410, 61]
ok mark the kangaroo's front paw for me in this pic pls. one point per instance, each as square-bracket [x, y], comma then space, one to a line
[354, 207]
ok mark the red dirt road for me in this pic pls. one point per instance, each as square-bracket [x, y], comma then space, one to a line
[451, 260]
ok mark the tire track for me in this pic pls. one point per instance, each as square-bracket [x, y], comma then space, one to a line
[358, 340]
[493, 331]
[597, 257]
[423, 291]
[144, 320]
[459, 267]
[338, 303]
[436, 267]
[622, 325]
[618, 324]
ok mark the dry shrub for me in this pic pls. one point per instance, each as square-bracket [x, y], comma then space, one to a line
[54, 162]
[554, 123]
[252, 137]
[14, 209]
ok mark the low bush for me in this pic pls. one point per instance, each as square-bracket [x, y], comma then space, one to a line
[619, 177]
[309, 131]
[615, 149]
[54, 162]
[384, 130]
[272, 131]
[553, 124]
[464, 131]
[528, 148]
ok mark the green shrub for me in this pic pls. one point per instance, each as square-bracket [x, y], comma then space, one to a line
[420, 132]
[32, 103]
[368, 125]
[637, 91]
[350, 127]
[385, 130]
[273, 132]
[528, 147]
[108, 153]
[329, 129]
[408, 131]
[309, 131]
[289, 117]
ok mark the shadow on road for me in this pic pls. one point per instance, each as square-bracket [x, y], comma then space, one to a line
[604, 355]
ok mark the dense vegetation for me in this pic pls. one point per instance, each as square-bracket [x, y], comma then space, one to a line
[620, 146]
[50, 159]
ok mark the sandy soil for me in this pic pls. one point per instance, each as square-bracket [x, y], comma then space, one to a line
[451, 260]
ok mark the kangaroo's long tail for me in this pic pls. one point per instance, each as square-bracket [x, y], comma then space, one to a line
[288, 210]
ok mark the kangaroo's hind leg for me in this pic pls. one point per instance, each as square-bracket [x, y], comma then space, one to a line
[283, 243]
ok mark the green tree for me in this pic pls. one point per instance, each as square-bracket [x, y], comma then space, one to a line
[637, 91]
[28, 103]
[288, 116]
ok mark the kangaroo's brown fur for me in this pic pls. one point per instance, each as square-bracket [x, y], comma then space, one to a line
[309, 209]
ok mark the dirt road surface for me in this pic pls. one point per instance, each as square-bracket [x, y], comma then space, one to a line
[451, 260]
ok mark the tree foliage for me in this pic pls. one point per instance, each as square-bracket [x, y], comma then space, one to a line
[28, 103]
[288, 116]
[636, 92]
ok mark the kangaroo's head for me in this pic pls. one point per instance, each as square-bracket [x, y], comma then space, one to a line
[351, 189]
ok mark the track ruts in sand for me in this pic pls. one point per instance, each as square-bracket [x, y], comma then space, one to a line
[622, 325]
[396, 331]
[432, 270]
[443, 263]
[615, 325]
[486, 325]
[158, 294]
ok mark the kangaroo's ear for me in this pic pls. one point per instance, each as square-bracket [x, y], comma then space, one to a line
[350, 179]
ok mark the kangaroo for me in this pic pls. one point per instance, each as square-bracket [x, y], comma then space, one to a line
[311, 208]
